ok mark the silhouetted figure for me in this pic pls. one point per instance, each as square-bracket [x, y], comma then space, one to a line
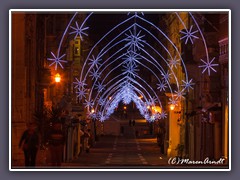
[29, 143]
[133, 122]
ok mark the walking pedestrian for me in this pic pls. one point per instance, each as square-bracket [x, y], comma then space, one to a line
[29, 143]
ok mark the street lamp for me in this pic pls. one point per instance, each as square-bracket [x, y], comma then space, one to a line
[57, 78]
[56, 98]
[172, 106]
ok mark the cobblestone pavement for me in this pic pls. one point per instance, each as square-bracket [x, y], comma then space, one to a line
[124, 151]
[128, 152]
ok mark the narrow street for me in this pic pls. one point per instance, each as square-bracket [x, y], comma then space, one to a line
[143, 89]
[121, 151]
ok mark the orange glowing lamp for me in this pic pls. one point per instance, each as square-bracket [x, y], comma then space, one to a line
[172, 106]
[57, 78]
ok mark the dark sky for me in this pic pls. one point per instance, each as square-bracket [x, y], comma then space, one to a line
[101, 23]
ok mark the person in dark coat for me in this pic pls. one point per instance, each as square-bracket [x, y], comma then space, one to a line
[29, 143]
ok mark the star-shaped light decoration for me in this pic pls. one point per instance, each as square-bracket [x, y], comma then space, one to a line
[94, 62]
[166, 76]
[130, 69]
[101, 101]
[88, 103]
[188, 34]
[78, 31]
[208, 66]
[163, 115]
[174, 62]
[102, 118]
[79, 84]
[95, 74]
[100, 87]
[187, 84]
[81, 93]
[161, 86]
[135, 41]
[57, 60]
[179, 94]
[173, 101]
[154, 100]
[131, 57]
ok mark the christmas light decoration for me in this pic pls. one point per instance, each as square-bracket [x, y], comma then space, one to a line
[187, 84]
[57, 60]
[208, 66]
[189, 35]
[117, 62]
[79, 31]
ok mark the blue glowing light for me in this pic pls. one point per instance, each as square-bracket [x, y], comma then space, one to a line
[187, 84]
[132, 45]
[79, 31]
[134, 41]
[174, 62]
[131, 57]
[57, 60]
[94, 62]
[81, 93]
[180, 94]
[100, 87]
[173, 101]
[208, 66]
[163, 115]
[88, 103]
[79, 84]
[157, 116]
[161, 86]
[101, 101]
[189, 35]
[166, 76]
[130, 69]
[95, 74]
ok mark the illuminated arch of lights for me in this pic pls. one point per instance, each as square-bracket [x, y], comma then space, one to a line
[115, 70]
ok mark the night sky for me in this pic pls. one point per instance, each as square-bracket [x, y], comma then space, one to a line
[101, 23]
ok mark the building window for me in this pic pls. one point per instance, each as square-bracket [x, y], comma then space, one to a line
[76, 51]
